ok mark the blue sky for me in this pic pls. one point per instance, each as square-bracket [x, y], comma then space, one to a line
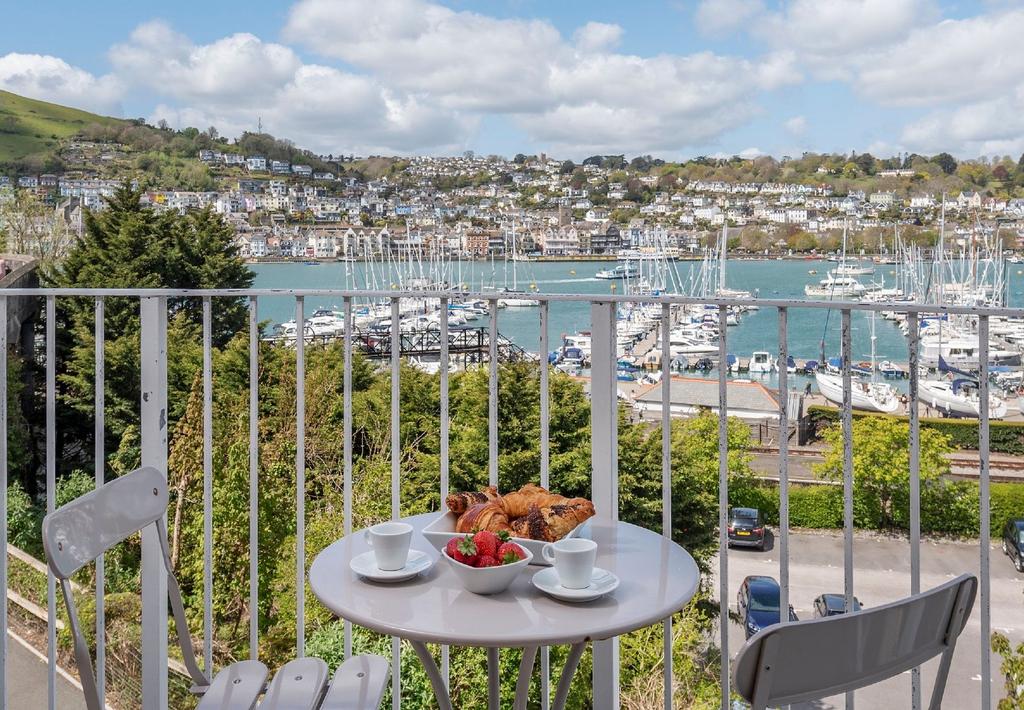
[570, 78]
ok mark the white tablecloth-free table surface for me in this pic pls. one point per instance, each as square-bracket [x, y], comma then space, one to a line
[657, 578]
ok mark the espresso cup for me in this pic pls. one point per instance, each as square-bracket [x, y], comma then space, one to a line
[573, 560]
[390, 544]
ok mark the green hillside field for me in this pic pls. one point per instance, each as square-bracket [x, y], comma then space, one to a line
[30, 127]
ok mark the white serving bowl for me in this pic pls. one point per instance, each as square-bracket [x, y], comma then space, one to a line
[487, 580]
[442, 529]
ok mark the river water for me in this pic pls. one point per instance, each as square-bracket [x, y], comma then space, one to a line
[757, 331]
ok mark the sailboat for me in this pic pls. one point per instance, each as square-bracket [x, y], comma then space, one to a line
[514, 297]
[870, 396]
[959, 397]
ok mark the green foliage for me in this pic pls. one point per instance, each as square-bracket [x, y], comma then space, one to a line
[881, 466]
[30, 130]
[1012, 668]
[130, 246]
[23, 520]
[1004, 437]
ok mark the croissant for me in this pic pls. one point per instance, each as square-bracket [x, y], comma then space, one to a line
[518, 504]
[553, 522]
[483, 516]
[458, 503]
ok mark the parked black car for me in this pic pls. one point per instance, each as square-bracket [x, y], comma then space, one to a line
[758, 604]
[833, 605]
[1013, 542]
[746, 528]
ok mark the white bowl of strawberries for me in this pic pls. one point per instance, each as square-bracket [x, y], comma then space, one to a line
[485, 562]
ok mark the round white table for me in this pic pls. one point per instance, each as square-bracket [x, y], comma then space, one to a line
[657, 578]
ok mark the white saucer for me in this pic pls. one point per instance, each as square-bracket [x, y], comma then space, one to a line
[601, 582]
[365, 565]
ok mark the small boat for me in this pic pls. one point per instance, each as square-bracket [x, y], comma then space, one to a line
[960, 398]
[810, 367]
[867, 396]
[622, 271]
[890, 369]
[732, 363]
[861, 368]
[790, 365]
[812, 272]
[761, 363]
[854, 270]
[835, 285]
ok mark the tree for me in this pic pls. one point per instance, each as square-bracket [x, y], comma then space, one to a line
[566, 168]
[1012, 669]
[127, 245]
[945, 161]
[519, 159]
[881, 466]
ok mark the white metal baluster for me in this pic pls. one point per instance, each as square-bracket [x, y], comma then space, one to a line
[300, 479]
[153, 410]
[847, 425]
[208, 486]
[492, 396]
[99, 457]
[347, 434]
[723, 503]
[51, 485]
[396, 453]
[545, 464]
[915, 486]
[605, 479]
[3, 500]
[254, 471]
[986, 513]
[444, 444]
[666, 475]
[783, 467]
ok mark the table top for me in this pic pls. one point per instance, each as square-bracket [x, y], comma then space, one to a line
[657, 578]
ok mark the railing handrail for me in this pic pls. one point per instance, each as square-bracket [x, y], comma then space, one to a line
[671, 299]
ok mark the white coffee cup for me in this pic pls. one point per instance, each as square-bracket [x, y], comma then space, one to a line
[390, 543]
[573, 560]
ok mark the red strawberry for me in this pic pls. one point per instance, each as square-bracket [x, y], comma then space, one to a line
[487, 561]
[462, 549]
[486, 543]
[510, 553]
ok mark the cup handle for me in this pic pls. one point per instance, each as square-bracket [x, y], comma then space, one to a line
[544, 553]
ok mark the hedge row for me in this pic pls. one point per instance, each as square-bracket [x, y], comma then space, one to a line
[949, 509]
[1004, 437]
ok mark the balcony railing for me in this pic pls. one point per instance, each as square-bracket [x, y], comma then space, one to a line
[153, 308]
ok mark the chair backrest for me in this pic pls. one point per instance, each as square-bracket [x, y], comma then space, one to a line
[809, 660]
[80, 531]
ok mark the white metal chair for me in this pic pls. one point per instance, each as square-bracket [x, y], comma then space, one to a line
[810, 660]
[77, 533]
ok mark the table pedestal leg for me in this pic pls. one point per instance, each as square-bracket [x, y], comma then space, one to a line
[562, 694]
[493, 680]
[525, 673]
[444, 701]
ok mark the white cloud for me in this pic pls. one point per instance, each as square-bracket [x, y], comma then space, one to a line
[49, 78]
[597, 37]
[225, 71]
[995, 126]
[576, 95]
[234, 81]
[954, 60]
[717, 17]
[796, 125]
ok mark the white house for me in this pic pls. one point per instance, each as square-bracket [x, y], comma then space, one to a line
[256, 163]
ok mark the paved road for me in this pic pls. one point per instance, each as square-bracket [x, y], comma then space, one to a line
[26, 682]
[882, 574]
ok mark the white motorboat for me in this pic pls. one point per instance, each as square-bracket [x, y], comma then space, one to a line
[761, 363]
[867, 396]
[834, 285]
[854, 270]
[621, 271]
[517, 299]
[959, 398]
